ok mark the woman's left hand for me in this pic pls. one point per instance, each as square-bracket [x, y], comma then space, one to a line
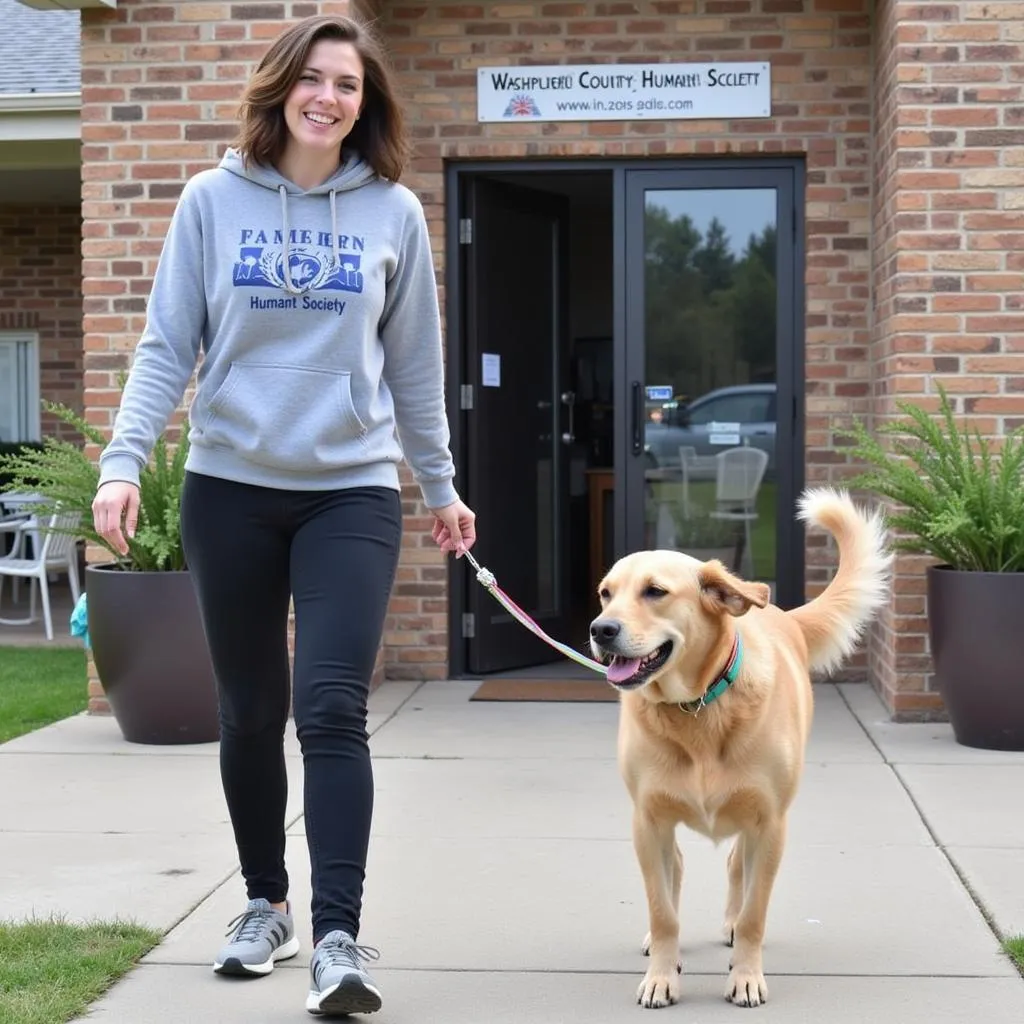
[454, 528]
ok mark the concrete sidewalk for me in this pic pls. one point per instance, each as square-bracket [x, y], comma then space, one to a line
[502, 885]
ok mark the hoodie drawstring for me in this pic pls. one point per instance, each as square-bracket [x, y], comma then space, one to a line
[285, 233]
[289, 286]
[334, 228]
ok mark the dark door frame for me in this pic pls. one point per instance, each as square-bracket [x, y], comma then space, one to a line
[789, 552]
[525, 431]
[791, 358]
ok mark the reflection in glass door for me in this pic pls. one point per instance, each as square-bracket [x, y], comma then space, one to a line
[709, 277]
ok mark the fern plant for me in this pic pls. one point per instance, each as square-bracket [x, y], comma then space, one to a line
[64, 476]
[959, 500]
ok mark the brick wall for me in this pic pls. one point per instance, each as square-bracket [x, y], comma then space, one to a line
[939, 246]
[40, 290]
[820, 54]
[950, 277]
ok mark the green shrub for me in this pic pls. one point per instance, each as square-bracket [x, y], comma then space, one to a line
[958, 499]
[62, 473]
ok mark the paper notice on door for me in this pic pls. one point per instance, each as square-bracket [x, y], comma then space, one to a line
[491, 370]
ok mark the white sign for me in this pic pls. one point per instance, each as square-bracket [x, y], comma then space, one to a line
[491, 370]
[724, 433]
[624, 92]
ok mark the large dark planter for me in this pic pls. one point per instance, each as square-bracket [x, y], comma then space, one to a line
[151, 655]
[977, 640]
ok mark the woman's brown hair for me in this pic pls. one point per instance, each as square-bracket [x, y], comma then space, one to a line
[378, 135]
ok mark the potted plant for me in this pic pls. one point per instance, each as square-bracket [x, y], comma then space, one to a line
[960, 501]
[144, 628]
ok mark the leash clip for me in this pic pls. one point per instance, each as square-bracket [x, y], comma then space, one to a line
[484, 576]
[696, 711]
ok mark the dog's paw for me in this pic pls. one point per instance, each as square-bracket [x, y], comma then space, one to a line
[659, 989]
[746, 988]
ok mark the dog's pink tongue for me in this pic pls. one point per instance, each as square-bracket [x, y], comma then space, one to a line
[622, 669]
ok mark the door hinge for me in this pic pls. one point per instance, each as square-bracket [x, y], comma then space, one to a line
[465, 231]
[468, 625]
[466, 396]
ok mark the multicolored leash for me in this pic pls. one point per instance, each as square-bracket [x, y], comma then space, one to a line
[486, 578]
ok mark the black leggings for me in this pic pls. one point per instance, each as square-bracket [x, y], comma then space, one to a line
[248, 549]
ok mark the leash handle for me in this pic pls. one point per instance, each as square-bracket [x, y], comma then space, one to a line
[487, 580]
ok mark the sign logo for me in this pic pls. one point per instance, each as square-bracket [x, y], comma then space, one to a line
[522, 105]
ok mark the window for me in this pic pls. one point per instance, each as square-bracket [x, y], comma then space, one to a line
[742, 407]
[19, 387]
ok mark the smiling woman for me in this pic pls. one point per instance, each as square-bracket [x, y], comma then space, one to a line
[301, 268]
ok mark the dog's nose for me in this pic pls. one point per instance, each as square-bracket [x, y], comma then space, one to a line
[605, 630]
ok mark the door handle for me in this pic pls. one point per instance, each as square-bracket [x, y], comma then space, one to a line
[638, 418]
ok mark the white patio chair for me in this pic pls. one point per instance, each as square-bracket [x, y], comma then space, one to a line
[740, 472]
[19, 526]
[55, 552]
[694, 467]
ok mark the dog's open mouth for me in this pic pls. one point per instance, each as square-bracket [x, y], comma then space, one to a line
[627, 673]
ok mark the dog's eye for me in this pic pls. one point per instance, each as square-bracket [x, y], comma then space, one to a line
[604, 594]
[653, 591]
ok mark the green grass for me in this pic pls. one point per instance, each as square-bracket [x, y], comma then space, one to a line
[762, 531]
[1015, 950]
[51, 971]
[39, 685]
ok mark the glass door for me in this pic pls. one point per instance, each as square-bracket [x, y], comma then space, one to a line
[713, 465]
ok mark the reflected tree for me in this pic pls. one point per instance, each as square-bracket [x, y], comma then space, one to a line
[710, 313]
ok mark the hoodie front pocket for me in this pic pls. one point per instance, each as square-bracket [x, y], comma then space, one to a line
[286, 417]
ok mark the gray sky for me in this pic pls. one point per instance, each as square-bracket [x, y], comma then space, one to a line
[742, 211]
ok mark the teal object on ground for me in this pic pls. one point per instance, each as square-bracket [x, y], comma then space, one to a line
[80, 619]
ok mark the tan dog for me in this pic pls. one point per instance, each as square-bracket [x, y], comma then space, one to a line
[674, 630]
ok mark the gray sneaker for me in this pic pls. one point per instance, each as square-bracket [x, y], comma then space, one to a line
[259, 936]
[339, 984]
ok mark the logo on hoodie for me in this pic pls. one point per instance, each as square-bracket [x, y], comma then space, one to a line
[311, 261]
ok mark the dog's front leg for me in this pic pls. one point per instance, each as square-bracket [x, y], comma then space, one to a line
[762, 853]
[659, 859]
[734, 904]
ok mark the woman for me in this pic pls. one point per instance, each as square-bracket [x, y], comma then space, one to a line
[302, 271]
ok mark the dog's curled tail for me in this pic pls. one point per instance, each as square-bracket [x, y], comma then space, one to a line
[833, 622]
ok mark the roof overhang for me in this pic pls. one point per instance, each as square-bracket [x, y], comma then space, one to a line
[40, 147]
[40, 117]
[68, 5]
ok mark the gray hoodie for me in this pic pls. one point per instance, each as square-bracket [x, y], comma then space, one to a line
[317, 318]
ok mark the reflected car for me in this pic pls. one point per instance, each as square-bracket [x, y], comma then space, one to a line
[743, 414]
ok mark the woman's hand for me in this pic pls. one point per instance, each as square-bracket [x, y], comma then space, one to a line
[454, 528]
[115, 513]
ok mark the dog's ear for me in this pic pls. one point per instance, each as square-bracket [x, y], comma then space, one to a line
[720, 591]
